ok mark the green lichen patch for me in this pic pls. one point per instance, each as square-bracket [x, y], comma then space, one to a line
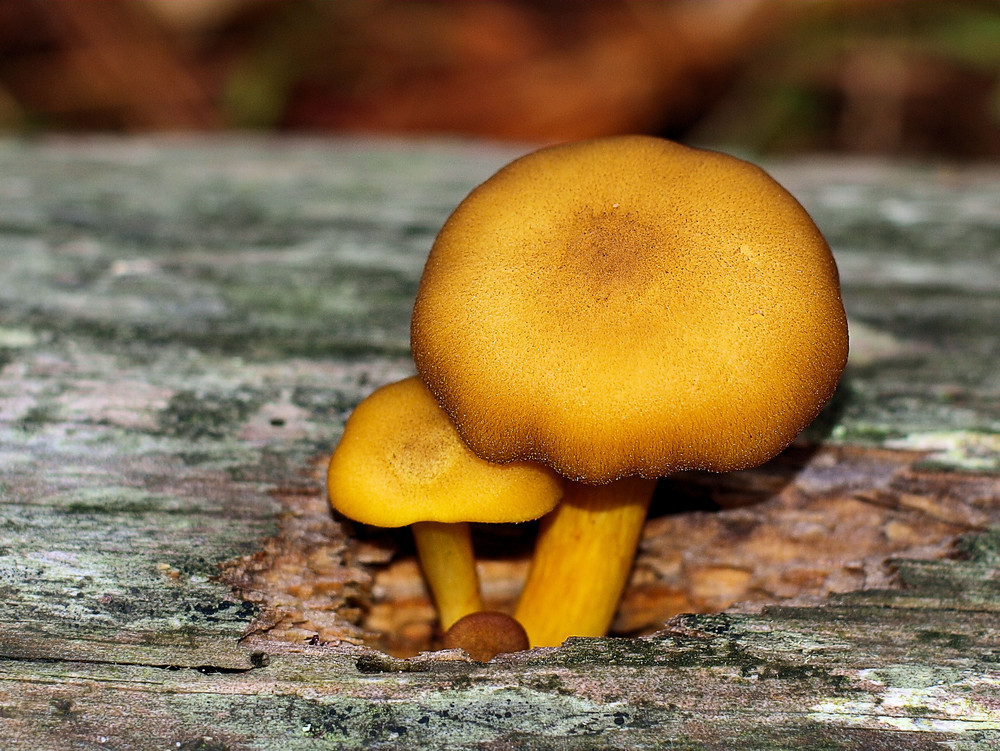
[193, 415]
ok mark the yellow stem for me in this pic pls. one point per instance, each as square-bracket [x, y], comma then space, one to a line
[582, 560]
[449, 565]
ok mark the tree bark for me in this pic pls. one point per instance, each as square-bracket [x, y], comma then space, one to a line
[184, 327]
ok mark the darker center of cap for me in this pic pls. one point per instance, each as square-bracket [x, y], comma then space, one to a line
[611, 253]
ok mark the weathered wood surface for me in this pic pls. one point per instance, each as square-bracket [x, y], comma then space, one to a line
[184, 326]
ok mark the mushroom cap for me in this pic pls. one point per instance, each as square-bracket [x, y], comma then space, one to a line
[485, 634]
[400, 461]
[630, 306]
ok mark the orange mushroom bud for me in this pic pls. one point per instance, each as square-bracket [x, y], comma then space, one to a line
[625, 308]
[486, 634]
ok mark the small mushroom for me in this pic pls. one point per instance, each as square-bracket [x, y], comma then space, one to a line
[622, 309]
[400, 462]
[485, 634]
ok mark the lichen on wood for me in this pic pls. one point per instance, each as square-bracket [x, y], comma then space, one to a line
[184, 327]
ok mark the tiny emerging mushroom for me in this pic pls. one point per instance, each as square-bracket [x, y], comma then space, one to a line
[485, 634]
[401, 462]
[621, 309]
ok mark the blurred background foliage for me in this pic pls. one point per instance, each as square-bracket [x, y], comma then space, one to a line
[892, 77]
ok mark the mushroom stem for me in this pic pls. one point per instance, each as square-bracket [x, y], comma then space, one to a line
[582, 560]
[449, 565]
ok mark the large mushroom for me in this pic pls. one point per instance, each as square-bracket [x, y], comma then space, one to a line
[400, 462]
[622, 309]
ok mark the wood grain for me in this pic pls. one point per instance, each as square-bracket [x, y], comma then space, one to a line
[184, 326]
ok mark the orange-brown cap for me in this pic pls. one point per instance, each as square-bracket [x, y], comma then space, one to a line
[485, 634]
[630, 306]
[400, 461]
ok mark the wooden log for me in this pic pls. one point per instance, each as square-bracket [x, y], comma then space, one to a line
[184, 326]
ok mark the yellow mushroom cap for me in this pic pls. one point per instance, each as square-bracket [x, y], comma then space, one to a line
[630, 306]
[400, 461]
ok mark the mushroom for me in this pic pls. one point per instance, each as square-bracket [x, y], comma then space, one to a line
[400, 462]
[485, 634]
[621, 309]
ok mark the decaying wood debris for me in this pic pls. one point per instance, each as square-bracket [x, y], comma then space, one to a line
[184, 327]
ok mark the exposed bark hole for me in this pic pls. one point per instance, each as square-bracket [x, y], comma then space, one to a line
[796, 530]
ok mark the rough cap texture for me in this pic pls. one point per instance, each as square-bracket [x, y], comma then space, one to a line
[630, 306]
[400, 461]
